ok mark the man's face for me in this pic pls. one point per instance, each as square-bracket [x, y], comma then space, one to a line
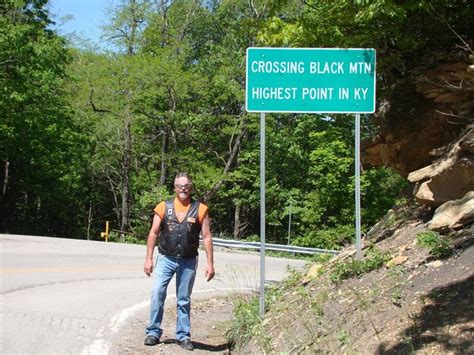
[182, 187]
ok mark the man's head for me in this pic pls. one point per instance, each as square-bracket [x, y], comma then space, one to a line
[183, 187]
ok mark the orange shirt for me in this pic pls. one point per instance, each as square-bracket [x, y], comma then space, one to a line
[180, 208]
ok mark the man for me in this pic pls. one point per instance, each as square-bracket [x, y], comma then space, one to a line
[179, 222]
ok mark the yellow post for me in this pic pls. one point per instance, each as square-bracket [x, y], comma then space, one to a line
[106, 233]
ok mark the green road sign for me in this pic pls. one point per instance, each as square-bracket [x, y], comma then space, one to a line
[332, 80]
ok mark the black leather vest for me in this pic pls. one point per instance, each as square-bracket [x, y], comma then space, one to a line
[180, 240]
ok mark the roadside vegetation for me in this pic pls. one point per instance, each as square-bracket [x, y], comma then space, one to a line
[90, 136]
[398, 297]
[437, 245]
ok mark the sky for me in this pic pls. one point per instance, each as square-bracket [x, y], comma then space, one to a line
[88, 16]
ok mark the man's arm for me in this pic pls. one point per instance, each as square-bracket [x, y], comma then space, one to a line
[151, 243]
[207, 240]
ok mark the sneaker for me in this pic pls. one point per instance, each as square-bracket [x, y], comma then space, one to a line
[151, 340]
[186, 344]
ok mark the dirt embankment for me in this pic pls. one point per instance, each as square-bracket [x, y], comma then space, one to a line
[413, 301]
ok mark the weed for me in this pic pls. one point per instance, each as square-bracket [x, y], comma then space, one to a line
[303, 293]
[390, 221]
[409, 343]
[438, 247]
[272, 296]
[344, 337]
[247, 321]
[355, 267]
[397, 297]
[364, 306]
[321, 258]
[397, 272]
[373, 294]
[363, 302]
[247, 324]
[435, 295]
[294, 278]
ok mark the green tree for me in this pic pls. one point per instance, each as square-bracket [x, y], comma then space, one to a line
[402, 32]
[171, 98]
[41, 146]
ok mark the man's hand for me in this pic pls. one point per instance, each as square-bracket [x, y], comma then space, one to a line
[150, 244]
[209, 274]
[148, 268]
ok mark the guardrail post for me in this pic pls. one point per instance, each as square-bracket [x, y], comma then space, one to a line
[106, 233]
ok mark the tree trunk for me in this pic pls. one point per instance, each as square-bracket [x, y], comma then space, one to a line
[164, 151]
[126, 161]
[133, 28]
[89, 221]
[233, 154]
[237, 221]
[5, 178]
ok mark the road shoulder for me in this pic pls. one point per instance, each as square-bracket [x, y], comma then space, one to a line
[210, 320]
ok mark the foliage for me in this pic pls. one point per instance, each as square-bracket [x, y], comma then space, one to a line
[400, 31]
[41, 154]
[330, 238]
[380, 189]
[144, 206]
[355, 267]
[436, 244]
[94, 136]
[247, 323]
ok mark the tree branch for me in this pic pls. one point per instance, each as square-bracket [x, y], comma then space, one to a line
[457, 116]
[208, 195]
[435, 14]
[95, 109]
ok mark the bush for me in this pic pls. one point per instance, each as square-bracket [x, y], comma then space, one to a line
[247, 322]
[354, 267]
[328, 238]
[438, 247]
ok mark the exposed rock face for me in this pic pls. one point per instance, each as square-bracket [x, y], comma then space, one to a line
[454, 214]
[449, 178]
[420, 118]
[427, 135]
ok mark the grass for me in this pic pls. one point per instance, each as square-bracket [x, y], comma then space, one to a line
[344, 337]
[248, 324]
[247, 321]
[437, 245]
[352, 268]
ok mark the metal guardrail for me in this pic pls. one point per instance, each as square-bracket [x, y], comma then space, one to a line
[228, 243]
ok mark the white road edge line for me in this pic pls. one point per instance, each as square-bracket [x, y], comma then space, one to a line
[100, 346]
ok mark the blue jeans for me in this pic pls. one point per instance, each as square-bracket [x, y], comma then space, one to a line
[185, 270]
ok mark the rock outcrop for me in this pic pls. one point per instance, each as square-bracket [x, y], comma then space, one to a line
[420, 118]
[427, 135]
[453, 214]
[449, 178]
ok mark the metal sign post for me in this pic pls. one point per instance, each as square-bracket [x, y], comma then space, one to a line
[309, 80]
[262, 215]
[357, 187]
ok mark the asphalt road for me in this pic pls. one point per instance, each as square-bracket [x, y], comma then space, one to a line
[62, 296]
